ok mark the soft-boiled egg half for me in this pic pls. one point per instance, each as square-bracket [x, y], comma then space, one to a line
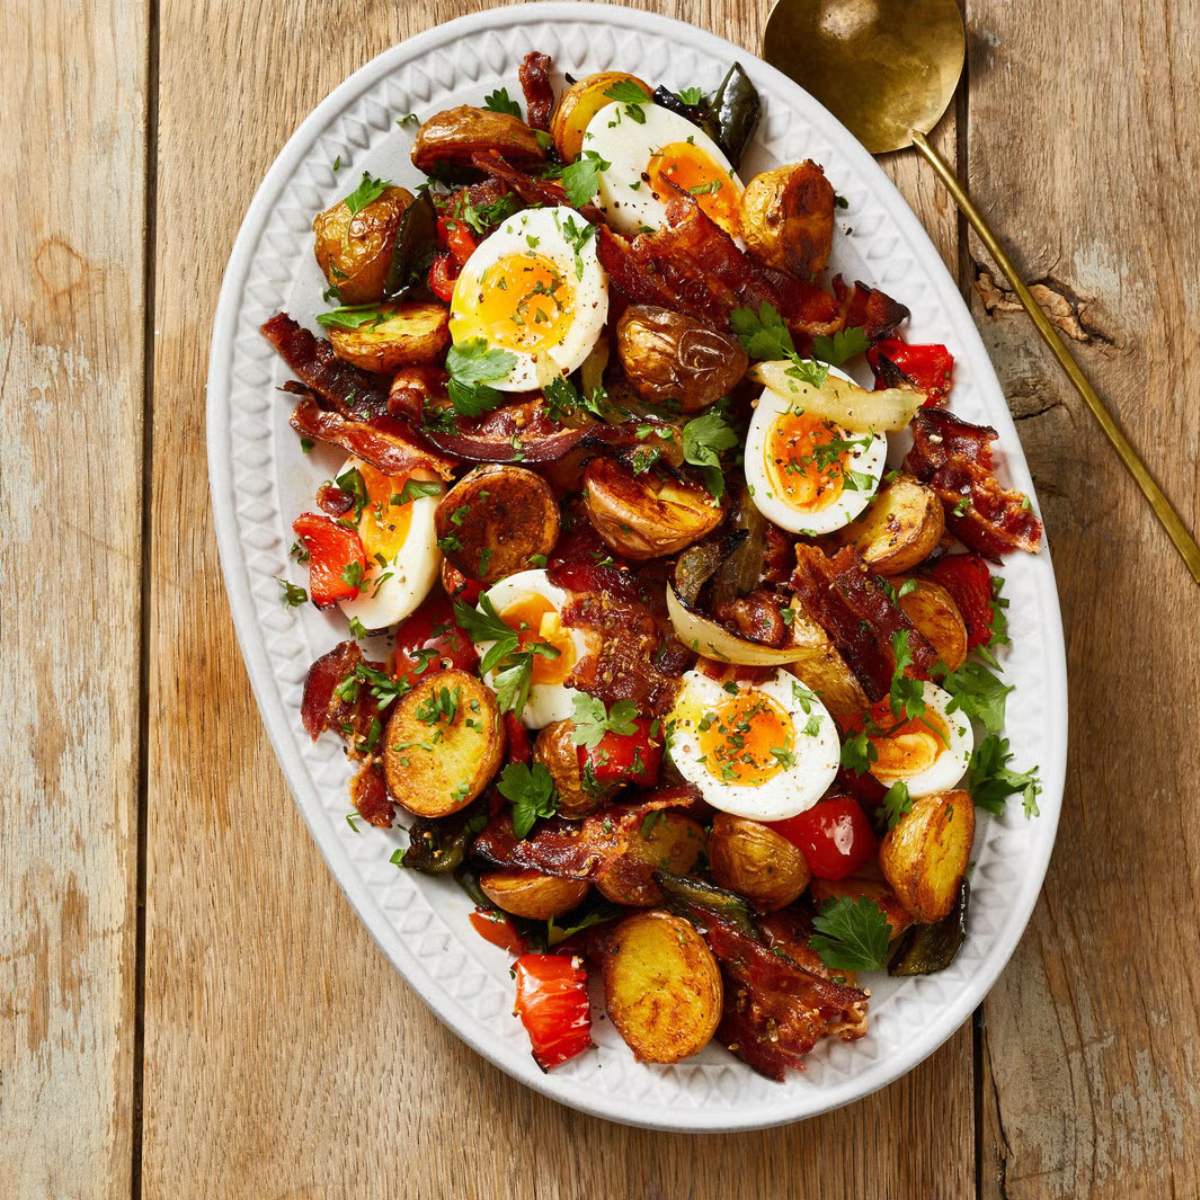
[929, 753]
[534, 288]
[765, 751]
[652, 161]
[806, 474]
[400, 541]
[531, 606]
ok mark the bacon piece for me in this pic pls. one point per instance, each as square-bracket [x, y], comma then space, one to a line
[863, 593]
[413, 389]
[384, 442]
[534, 74]
[955, 458]
[756, 616]
[368, 794]
[322, 709]
[352, 392]
[867, 308]
[332, 501]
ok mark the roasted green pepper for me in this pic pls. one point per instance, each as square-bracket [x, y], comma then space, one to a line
[416, 243]
[926, 949]
[683, 893]
[737, 107]
[436, 847]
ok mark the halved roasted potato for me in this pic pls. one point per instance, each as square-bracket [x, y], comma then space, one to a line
[936, 615]
[787, 218]
[756, 862]
[532, 894]
[645, 516]
[446, 142]
[675, 360]
[406, 333]
[925, 856]
[901, 528]
[495, 519]
[555, 750]
[823, 670]
[443, 743]
[855, 887]
[662, 987]
[579, 104]
[354, 249]
[665, 841]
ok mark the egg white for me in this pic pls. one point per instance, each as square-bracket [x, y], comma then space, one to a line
[389, 593]
[869, 461]
[794, 789]
[951, 764]
[547, 701]
[542, 232]
[625, 197]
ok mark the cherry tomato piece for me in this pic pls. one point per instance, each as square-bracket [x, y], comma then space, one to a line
[625, 757]
[834, 836]
[429, 639]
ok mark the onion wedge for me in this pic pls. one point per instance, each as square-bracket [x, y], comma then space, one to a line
[840, 401]
[707, 637]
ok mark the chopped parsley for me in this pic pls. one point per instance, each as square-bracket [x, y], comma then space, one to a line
[704, 438]
[991, 782]
[592, 721]
[500, 101]
[368, 191]
[581, 179]
[473, 365]
[851, 935]
[416, 489]
[896, 803]
[531, 792]
[293, 596]
[844, 345]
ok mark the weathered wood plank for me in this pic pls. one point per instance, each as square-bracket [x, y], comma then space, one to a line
[1083, 148]
[284, 1057]
[73, 107]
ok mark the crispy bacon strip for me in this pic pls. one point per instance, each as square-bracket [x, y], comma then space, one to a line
[368, 793]
[869, 309]
[534, 74]
[384, 442]
[321, 708]
[531, 189]
[955, 458]
[352, 392]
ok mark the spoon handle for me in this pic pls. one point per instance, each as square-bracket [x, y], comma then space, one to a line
[1185, 543]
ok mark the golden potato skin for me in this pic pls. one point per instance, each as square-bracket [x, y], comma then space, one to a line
[437, 767]
[662, 987]
[900, 529]
[665, 841]
[411, 333]
[354, 250]
[674, 360]
[925, 856]
[448, 140]
[579, 104]
[748, 858]
[555, 750]
[936, 615]
[641, 516]
[498, 517]
[532, 894]
[787, 218]
[856, 888]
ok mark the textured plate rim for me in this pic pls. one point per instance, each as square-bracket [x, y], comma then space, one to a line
[277, 720]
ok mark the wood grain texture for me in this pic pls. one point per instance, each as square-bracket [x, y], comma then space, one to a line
[284, 1057]
[73, 107]
[1086, 160]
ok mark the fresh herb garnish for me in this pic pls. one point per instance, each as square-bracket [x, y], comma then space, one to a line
[592, 721]
[991, 782]
[368, 191]
[416, 489]
[896, 803]
[353, 484]
[704, 438]
[500, 101]
[690, 96]
[843, 346]
[906, 695]
[293, 596]
[858, 753]
[851, 935]
[473, 365]
[531, 792]
[979, 694]
[581, 179]
[352, 316]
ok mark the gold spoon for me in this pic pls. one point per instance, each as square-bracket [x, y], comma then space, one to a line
[888, 69]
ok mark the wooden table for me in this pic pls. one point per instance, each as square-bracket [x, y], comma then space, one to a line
[190, 1009]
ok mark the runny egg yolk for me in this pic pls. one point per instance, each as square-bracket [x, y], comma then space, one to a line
[534, 619]
[907, 749]
[680, 165]
[747, 739]
[523, 302]
[383, 526]
[806, 461]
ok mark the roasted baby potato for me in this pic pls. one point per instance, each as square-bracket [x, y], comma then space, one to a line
[662, 987]
[754, 861]
[408, 333]
[665, 841]
[644, 516]
[787, 218]
[579, 104]
[898, 917]
[901, 527]
[443, 743]
[355, 249]
[675, 360]
[925, 856]
[823, 670]
[935, 614]
[495, 519]
[445, 143]
[532, 894]
[555, 750]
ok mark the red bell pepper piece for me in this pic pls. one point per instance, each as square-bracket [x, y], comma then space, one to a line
[967, 578]
[928, 368]
[834, 836]
[552, 1002]
[442, 275]
[517, 737]
[429, 638]
[625, 757]
[496, 928]
[456, 236]
[333, 551]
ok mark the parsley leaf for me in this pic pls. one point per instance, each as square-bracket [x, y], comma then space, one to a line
[851, 935]
[512, 663]
[531, 792]
[690, 96]
[368, 191]
[500, 101]
[582, 178]
[472, 365]
[351, 316]
[293, 596]
[979, 694]
[844, 345]
[764, 334]
[416, 489]
[353, 484]
[627, 92]
[592, 721]
[906, 695]
[556, 934]
[858, 753]
[991, 782]
[704, 438]
[896, 803]
[576, 238]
